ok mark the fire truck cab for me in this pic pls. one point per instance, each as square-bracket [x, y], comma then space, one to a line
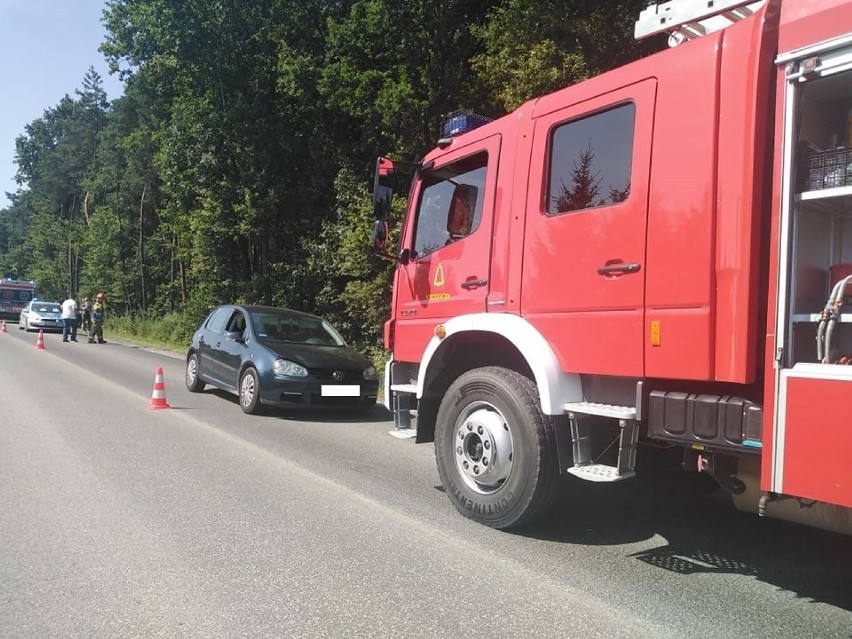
[658, 254]
[14, 295]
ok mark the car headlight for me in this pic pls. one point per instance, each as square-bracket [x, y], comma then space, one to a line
[284, 367]
[370, 373]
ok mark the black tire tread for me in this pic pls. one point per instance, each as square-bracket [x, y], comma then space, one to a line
[547, 479]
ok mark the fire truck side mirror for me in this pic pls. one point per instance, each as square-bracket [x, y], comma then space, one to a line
[380, 235]
[382, 188]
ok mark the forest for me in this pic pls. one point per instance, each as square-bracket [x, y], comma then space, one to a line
[237, 165]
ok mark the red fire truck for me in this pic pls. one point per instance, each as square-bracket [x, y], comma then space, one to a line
[14, 295]
[658, 255]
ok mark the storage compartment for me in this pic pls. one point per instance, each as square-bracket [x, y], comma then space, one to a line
[717, 422]
[821, 229]
[817, 437]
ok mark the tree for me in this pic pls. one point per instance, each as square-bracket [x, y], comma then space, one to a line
[533, 47]
[585, 185]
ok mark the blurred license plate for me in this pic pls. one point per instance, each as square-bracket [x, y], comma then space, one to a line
[341, 390]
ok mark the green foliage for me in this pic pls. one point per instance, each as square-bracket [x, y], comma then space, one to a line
[355, 289]
[236, 166]
[533, 47]
[171, 330]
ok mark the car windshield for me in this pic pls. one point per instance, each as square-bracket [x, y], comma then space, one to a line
[292, 327]
[46, 307]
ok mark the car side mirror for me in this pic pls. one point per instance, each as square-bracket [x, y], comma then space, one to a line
[235, 336]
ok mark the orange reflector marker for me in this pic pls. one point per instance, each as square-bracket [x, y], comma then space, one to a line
[655, 332]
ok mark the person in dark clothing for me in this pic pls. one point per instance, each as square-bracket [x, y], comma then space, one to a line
[97, 331]
[86, 311]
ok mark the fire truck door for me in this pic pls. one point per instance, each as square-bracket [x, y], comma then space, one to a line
[448, 241]
[584, 258]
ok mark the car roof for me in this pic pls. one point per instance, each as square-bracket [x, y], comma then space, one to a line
[254, 308]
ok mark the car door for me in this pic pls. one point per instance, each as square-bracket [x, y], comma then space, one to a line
[209, 341]
[22, 320]
[231, 349]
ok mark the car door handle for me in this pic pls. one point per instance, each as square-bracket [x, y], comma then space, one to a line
[615, 269]
[471, 284]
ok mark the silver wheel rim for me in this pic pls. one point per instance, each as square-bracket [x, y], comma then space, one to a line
[191, 371]
[247, 390]
[482, 447]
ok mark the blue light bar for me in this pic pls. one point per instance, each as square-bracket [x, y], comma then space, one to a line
[460, 122]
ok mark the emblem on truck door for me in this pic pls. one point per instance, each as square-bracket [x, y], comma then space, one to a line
[439, 276]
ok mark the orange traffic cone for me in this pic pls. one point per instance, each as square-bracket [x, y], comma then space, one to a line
[3, 327]
[158, 398]
[40, 341]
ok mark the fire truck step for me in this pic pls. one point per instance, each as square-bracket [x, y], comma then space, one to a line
[411, 389]
[599, 473]
[581, 430]
[604, 410]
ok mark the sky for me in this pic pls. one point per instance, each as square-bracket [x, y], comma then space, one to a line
[46, 47]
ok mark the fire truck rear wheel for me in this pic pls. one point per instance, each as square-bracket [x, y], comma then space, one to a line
[495, 448]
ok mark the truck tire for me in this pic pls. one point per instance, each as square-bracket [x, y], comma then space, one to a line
[495, 449]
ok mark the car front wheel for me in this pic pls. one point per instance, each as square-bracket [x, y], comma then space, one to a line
[250, 392]
[193, 381]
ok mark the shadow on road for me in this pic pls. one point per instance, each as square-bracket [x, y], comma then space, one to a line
[703, 532]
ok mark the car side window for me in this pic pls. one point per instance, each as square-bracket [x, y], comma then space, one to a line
[216, 322]
[237, 323]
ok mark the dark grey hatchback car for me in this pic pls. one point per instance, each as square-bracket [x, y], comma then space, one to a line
[278, 357]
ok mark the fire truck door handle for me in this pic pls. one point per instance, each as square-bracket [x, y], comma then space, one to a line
[469, 284]
[619, 269]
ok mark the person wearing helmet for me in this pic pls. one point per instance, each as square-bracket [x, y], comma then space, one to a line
[97, 332]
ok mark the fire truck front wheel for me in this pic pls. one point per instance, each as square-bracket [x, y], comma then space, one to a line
[495, 449]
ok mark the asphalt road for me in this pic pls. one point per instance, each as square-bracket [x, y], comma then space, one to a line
[118, 521]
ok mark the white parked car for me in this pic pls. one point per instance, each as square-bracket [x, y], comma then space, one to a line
[41, 314]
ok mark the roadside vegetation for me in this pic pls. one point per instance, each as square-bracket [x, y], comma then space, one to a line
[237, 166]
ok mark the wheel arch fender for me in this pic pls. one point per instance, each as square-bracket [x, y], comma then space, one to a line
[555, 387]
